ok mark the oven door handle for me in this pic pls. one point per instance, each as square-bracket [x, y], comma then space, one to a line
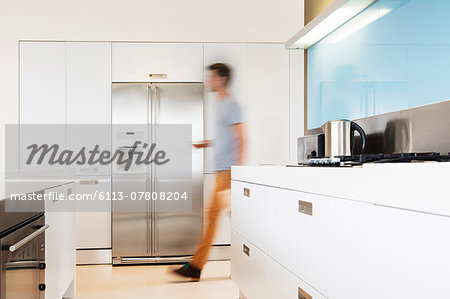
[28, 238]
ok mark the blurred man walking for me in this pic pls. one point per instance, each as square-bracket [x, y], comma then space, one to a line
[229, 150]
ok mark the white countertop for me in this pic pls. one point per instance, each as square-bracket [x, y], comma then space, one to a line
[416, 186]
[28, 182]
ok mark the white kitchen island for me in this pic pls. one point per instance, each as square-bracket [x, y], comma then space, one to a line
[59, 246]
[377, 231]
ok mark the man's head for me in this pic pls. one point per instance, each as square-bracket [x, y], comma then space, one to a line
[219, 76]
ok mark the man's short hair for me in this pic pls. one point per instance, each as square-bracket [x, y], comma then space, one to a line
[221, 69]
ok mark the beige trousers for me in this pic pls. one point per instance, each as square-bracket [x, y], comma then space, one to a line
[221, 202]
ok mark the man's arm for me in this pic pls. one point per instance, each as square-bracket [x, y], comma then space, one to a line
[239, 130]
[203, 144]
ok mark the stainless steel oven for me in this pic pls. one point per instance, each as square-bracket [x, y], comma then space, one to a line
[23, 259]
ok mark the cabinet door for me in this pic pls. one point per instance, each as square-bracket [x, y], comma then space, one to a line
[235, 56]
[321, 239]
[42, 96]
[89, 101]
[88, 83]
[42, 82]
[250, 212]
[249, 268]
[268, 104]
[408, 254]
[180, 62]
[88, 236]
[284, 284]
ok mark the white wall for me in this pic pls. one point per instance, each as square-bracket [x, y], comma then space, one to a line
[134, 20]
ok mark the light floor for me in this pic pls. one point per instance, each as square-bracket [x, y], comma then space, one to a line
[139, 282]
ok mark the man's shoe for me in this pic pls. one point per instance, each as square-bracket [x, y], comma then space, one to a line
[188, 271]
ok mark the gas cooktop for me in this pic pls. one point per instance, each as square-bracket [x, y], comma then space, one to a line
[348, 161]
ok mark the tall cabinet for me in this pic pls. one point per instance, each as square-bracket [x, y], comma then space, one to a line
[88, 110]
[43, 101]
[69, 83]
[234, 55]
[260, 84]
[268, 104]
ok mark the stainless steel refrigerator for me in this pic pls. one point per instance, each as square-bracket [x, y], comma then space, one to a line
[150, 235]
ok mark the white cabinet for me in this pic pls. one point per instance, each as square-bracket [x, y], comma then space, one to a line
[258, 72]
[70, 84]
[340, 248]
[265, 219]
[42, 82]
[89, 118]
[59, 246]
[249, 267]
[65, 83]
[180, 62]
[332, 240]
[88, 82]
[284, 284]
[342, 237]
[42, 95]
[260, 82]
[267, 104]
[88, 97]
[259, 276]
[408, 254]
[250, 213]
[93, 226]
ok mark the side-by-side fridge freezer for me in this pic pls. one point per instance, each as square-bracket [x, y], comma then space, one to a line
[149, 234]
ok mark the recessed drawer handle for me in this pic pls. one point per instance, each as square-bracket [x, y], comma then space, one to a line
[157, 76]
[305, 207]
[88, 182]
[246, 250]
[247, 192]
[302, 294]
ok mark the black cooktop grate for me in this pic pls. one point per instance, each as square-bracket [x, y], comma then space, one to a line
[395, 157]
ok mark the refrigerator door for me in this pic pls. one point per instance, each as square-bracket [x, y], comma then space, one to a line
[178, 233]
[131, 227]
[131, 231]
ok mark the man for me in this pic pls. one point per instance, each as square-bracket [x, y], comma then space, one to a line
[229, 150]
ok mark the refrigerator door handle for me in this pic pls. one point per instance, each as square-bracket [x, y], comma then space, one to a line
[157, 111]
[150, 214]
[147, 183]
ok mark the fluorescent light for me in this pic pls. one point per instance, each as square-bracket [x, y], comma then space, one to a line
[357, 24]
[337, 14]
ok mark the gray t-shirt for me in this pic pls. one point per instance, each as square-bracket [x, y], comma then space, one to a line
[228, 113]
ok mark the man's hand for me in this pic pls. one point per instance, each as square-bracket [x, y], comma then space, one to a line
[203, 144]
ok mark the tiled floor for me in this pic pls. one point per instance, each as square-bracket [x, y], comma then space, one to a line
[152, 282]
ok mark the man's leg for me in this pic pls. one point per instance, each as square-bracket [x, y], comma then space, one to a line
[223, 182]
[193, 269]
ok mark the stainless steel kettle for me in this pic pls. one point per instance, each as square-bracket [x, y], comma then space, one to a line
[339, 137]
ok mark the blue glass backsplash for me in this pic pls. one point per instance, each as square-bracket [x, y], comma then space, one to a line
[398, 58]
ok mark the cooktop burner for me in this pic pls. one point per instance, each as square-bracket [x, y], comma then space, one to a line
[396, 157]
[348, 161]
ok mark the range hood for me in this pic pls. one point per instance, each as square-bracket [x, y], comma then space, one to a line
[334, 16]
